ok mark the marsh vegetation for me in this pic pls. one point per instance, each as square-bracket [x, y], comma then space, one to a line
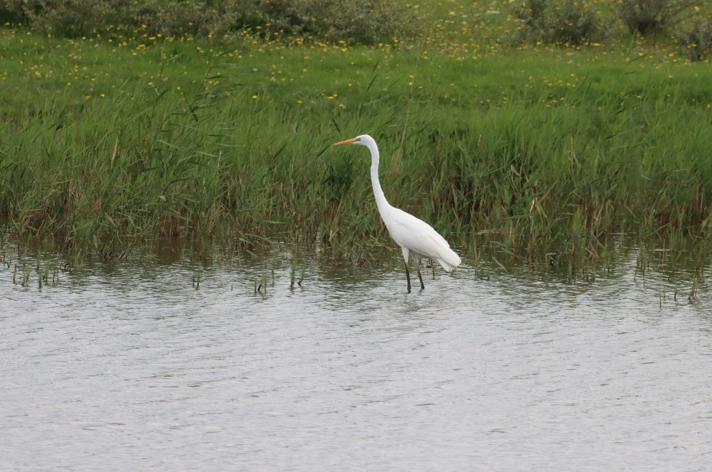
[113, 140]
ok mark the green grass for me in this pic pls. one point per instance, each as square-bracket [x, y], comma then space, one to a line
[105, 145]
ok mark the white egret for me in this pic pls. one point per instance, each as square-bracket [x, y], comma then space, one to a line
[414, 236]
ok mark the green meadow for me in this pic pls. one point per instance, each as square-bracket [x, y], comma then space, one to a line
[108, 143]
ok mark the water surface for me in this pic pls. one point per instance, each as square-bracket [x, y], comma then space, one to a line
[130, 367]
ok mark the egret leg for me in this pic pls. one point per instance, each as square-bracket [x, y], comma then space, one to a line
[407, 274]
[422, 285]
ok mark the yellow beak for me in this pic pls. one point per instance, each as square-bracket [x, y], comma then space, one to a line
[346, 141]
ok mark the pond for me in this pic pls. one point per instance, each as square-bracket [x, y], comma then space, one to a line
[132, 367]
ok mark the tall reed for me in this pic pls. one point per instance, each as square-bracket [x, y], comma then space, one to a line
[124, 144]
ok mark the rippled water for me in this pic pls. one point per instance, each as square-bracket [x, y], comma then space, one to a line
[131, 368]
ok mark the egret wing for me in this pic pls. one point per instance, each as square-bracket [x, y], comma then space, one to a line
[416, 235]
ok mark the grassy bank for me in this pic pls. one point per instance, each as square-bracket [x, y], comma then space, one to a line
[104, 144]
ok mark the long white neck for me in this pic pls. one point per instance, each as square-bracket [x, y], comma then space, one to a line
[383, 206]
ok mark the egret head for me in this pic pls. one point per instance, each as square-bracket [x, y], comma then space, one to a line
[361, 140]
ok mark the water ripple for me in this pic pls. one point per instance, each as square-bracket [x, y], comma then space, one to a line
[133, 368]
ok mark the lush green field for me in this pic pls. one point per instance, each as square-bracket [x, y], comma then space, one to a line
[105, 144]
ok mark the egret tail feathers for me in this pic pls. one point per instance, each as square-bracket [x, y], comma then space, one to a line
[449, 260]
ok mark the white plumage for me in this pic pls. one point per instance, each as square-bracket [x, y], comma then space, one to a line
[413, 235]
